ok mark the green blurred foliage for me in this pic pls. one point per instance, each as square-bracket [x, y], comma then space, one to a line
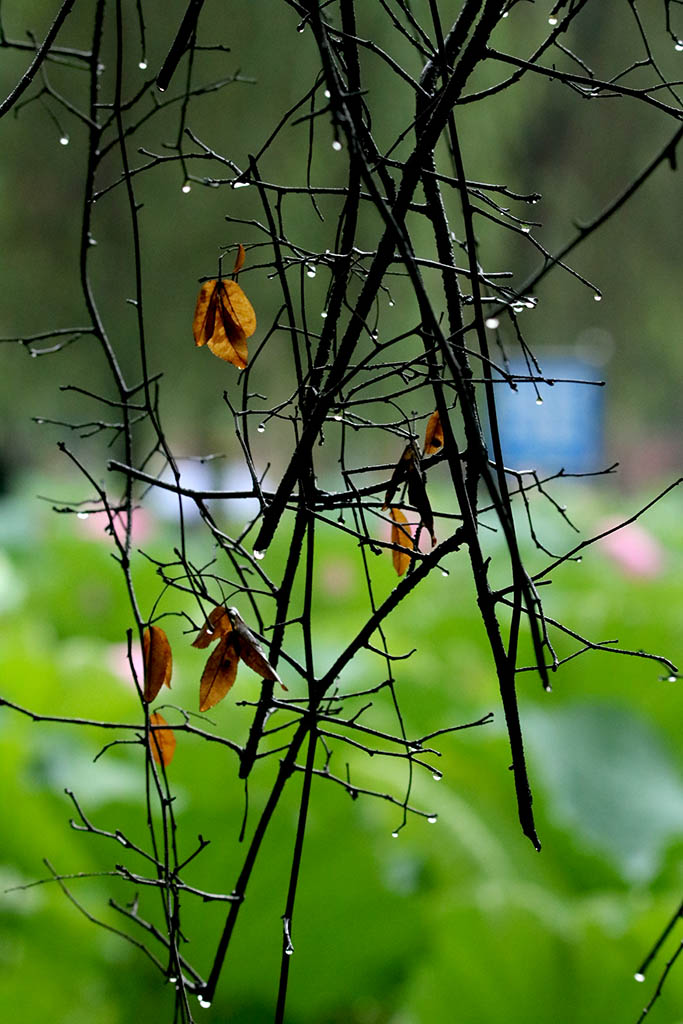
[460, 919]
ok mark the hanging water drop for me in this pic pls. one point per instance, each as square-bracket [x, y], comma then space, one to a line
[579, 558]
[241, 184]
[492, 322]
[337, 417]
[300, 27]
[324, 314]
[444, 572]
[186, 188]
[143, 67]
[391, 303]
[336, 145]
[261, 428]
[639, 977]
[598, 297]
[432, 819]
[64, 140]
[289, 950]
[552, 20]
[539, 400]
[327, 94]
[394, 834]
[679, 46]
[259, 555]
[172, 980]
[204, 1003]
[671, 679]
[85, 515]
[310, 271]
[437, 776]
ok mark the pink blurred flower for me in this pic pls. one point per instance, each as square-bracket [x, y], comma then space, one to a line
[633, 549]
[95, 525]
[118, 664]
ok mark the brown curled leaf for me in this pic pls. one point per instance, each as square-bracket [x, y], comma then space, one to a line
[433, 435]
[239, 260]
[251, 651]
[223, 319]
[402, 469]
[400, 534]
[216, 626]
[219, 673]
[161, 741]
[158, 661]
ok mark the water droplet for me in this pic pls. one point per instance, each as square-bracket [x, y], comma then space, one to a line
[327, 94]
[375, 335]
[552, 20]
[172, 980]
[186, 188]
[672, 679]
[337, 417]
[432, 819]
[539, 400]
[492, 323]
[64, 140]
[259, 555]
[517, 307]
[241, 184]
[579, 558]
[289, 950]
[639, 976]
[394, 834]
[505, 14]
[261, 427]
[39, 420]
[300, 27]
[161, 88]
[336, 145]
[121, 839]
[679, 46]
[204, 1003]
[91, 240]
[530, 303]
[324, 314]
[143, 67]
[437, 776]
[444, 572]
[597, 297]
[310, 271]
[81, 515]
[391, 303]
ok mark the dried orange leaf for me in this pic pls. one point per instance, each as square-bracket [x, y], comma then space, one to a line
[400, 534]
[219, 672]
[161, 741]
[239, 259]
[433, 435]
[250, 649]
[158, 661]
[215, 627]
[223, 319]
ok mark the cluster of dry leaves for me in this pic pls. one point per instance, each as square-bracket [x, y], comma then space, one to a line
[408, 471]
[235, 641]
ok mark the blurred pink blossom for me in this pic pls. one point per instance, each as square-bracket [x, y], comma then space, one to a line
[95, 525]
[118, 664]
[635, 551]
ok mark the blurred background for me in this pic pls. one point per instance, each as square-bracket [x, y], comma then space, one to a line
[454, 920]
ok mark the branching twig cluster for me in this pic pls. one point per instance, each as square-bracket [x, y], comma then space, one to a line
[400, 226]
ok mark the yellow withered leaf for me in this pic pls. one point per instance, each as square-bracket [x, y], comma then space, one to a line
[401, 535]
[158, 661]
[219, 672]
[433, 435]
[161, 741]
[215, 627]
[223, 319]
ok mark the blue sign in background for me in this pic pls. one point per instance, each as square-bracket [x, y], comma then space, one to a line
[565, 431]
